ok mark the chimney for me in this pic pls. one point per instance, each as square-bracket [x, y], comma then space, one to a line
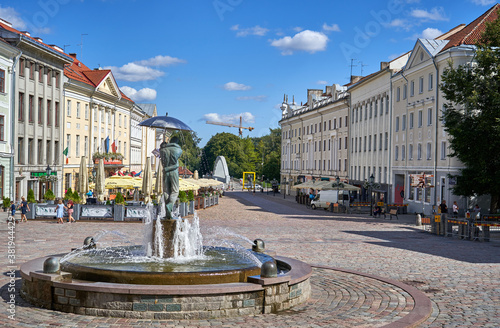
[38, 39]
[72, 54]
[3, 21]
[26, 32]
[56, 47]
[384, 65]
[355, 79]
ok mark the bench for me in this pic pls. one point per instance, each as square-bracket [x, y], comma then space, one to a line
[392, 212]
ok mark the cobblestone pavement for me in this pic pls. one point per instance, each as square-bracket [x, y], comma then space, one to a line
[460, 277]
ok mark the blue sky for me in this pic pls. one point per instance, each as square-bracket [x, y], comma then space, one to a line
[219, 59]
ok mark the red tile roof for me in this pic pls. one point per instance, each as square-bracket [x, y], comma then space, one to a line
[471, 34]
[183, 170]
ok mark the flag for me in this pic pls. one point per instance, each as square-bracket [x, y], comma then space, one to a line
[106, 143]
[137, 174]
[113, 146]
[67, 160]
[65, 152]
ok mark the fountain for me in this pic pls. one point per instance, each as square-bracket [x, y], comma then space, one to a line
[171, 276]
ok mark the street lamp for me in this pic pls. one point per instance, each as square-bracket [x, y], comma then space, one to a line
[48, 170]
[284, 188]
[337, 179]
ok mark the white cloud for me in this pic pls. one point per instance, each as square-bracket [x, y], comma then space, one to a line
[307, 40]
[12, 16]
[233, 86]
[431, 33]
[297, 29]
[230, 118]
[331, 28]
[256, 98]
[397, 23]
[145, 94]
[322, 82]
[133, 72]
[161, 61]
[436, 14]
[483, 2]
[256, 30]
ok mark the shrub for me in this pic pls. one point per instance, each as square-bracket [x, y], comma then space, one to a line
[31, 196]
[190, 195]
[6, 202]
[68, 195]
[49, 195]
[182, 196]
[119, 200]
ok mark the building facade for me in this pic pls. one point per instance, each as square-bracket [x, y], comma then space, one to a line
[315, 137]
[149, 136]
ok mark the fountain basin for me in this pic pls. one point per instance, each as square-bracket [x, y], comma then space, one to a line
[125, 265]
[62, 292]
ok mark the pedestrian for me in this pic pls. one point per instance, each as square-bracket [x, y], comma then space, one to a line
[12, 208]
[476, 212]
[24, 209]
[70, 211]
[455, 209]
[60, 211]
[444, 213]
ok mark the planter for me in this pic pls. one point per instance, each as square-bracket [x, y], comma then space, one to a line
[50, 202]
[182, 209]
[216, 200]
[191, 207]
[31, 213]
[118, 212]
[76, 211]
[206, 202]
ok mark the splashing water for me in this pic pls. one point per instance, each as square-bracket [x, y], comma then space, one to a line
[158, 239]
[188, 241]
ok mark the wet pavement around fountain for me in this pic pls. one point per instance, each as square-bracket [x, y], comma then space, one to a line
[459, 277]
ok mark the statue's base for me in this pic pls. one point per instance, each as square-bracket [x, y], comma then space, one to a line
[169, 226]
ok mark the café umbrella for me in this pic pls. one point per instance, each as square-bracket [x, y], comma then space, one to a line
[83, 182]
[147, 181]
[100, 181]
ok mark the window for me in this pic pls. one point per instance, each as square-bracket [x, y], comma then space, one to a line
[77, 109]
[21, 107]
[56, 151]
[324, 145]
[32, 70]
[86, 146]
[403, 152]
[316, 128]
[366, 112]
[345, 121]
[443, 149]
[420, 118]
[57, 80]
[405, 91]
[30, 108]
[49, 77]
[374, 142]
[345, 143]
[429, 116]
[40, 150]
[40, 110]
[119, 119]
[396, 153]
[410, 152]
[40, 74]
[49, 112]
[386, 141]
[86, 111]
[429, 149]
[421, 84]
[22, 65]
[352, 143]
[124, 149]
[370, 143]
[94, 111]
[77, 146]
[2, 128]
[95, 144]
[340, 122]
[412, 88]
[371, 109]
[397, 124]
[411, 121]
[68, 144]
[419, 151]
[324, 127]
[398, 94]
[364, 145]
[380, 142]
[334, 123]
[329, 124]
[403, 123]
[431, 81]
[2, 81]
[357, 109]
[20, 150]
[381, 106]
[56, 109]
[68, 108]
[375, 109]
[30, 151]
[49, 154]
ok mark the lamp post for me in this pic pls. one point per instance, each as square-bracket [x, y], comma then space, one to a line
[48, 170]
[372, 180]
[337, 179]
[284, 188]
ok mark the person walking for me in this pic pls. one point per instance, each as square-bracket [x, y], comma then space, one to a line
[24, 209]
[444, 213]
[455, 209]
[60, 211]
[70, 211]
[12, 208]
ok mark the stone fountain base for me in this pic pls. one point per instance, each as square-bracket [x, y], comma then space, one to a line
[257, 295]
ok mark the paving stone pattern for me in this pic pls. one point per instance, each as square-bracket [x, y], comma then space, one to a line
[460, 277]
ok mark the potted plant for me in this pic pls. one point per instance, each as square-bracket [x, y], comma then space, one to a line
[68, 195]
[6, 203]
[119, 208]
[182, 203]
[31, 204]
[77, 204]
[49, 196]
[190, 198]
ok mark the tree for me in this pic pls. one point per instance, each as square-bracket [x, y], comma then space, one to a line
[189, 143]
[472, 118]
[227, 145]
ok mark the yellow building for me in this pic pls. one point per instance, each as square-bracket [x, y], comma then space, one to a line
[97, 119]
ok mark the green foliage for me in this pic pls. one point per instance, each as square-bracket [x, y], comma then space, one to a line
[6, 202]
[68, 195]
[31, 196]
[76, 198]
[182, 196]
[190, 195]
[119, 200]
[49, 195]
[472, 118]
[108, 202]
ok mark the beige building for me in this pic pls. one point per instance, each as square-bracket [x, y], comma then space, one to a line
[315, 137]
[420, 142]
[149, 136]
[370, 130]
[97, 119]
